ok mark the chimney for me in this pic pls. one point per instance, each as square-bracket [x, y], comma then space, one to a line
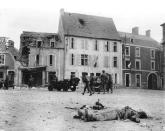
[163, 27]
[148, 33]
[62, 11]
[135, 30]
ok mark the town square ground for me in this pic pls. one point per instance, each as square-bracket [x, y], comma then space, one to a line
[41, 110]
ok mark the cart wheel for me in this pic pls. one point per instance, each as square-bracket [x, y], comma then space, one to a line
[50, 88]
[73, 88]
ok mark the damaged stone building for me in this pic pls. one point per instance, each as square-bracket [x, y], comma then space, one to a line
[42, 56]
[8, 60]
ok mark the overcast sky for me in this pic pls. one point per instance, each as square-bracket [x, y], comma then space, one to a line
[43, 15]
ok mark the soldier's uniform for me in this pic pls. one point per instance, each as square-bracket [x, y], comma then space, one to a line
[86, 81]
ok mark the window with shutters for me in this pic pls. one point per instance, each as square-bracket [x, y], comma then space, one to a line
[72, 59]
[84, 44]
[96, 45]
[84, 59]
[72, 43]
[107, 46]
[106, 61]
[115, 47]
[50, 60]
[2, 59]
[115, 61]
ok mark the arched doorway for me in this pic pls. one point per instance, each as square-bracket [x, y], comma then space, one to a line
[152, 81]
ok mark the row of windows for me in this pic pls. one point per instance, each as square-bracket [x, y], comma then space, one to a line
[87, 60]
[138, 64]
[40, 44]
[128, 80]
[84, 45]
[137, 52]
[50, 57]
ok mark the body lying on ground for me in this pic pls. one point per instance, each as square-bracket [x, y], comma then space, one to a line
[106, 114]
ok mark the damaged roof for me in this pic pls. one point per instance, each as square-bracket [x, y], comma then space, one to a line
[140, 40]
[43, 36]
[75, 24]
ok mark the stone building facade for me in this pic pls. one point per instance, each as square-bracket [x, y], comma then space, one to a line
[141, 60]
[92, 44]
[42, 55]
[163, 60]
[8, 59]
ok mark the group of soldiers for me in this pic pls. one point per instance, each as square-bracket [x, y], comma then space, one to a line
[103, 82]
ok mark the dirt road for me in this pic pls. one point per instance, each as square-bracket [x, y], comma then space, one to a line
[41, 110]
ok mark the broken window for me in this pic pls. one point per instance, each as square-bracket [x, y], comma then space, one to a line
[39, 44]
[52, 44]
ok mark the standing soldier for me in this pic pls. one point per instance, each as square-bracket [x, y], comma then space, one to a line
[104, 80]
[30, 82]
[86, 82]
[92, 82]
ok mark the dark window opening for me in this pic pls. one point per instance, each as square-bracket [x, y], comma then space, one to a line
[128, 64]
[72, 43]
[37, 60]
[51, 60]
[52, 44]
[107, 46]
[72, 60]
[115, 47]
[96, 45]
[39, 44]
[137, 65]
[114, 61]
[15, 57]
[1, 74]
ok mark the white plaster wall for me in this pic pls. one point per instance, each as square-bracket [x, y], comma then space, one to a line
[101, 53]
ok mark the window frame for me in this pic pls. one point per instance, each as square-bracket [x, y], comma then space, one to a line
[136, 79]
[152, 56]
[3, 63]
[137, 60]
[115, 47]
[136, 51]
[128, 50]
[115, 61]
[84, 60]
[38, 44]
[53, 44]
[151, 65]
